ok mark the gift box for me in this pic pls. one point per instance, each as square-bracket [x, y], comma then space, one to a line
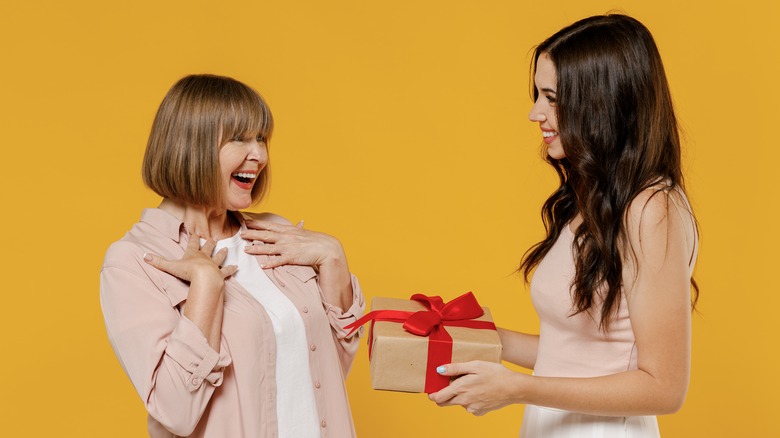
[408, 339]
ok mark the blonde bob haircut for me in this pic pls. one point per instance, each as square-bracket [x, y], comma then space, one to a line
[196, 118]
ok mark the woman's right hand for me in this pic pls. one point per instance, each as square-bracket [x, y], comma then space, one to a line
[197, 263]
[206, 276]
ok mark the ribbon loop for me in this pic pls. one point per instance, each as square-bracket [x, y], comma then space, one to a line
[463, 307]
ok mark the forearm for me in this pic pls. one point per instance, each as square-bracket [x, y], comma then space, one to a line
[335, 281]
[624, 394]
[519, 348]
[205, 307]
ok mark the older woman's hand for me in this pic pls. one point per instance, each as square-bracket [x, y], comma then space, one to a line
[291, 244]
[198, 262]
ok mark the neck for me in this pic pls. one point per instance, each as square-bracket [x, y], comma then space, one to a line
[206, 222]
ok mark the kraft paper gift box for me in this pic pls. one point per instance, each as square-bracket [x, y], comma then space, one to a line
[401, 360]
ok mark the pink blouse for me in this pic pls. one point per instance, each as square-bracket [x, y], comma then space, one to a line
[188, 388]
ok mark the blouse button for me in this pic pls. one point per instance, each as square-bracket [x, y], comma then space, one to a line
[305, 309]
[312, 347]
[195, 381]
[317, 385]
[324, 424]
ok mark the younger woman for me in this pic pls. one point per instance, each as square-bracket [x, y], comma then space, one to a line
[612, 280]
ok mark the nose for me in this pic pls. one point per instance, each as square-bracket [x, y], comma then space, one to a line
[536, 115]
[257, 151]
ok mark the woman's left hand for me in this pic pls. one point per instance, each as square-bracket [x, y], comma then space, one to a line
[291, 244]
[482, 387]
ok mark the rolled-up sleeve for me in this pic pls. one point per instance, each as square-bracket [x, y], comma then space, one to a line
[169, 361]
[190, 349]
[347, 343]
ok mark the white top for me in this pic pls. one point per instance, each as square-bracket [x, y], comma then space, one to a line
[296, 410]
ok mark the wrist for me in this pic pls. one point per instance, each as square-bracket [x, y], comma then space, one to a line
[335, 257]
[521, 388]
[208, 278]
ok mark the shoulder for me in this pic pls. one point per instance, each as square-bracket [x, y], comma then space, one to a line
[266, 216]
[660, 217]
[128, 250]
[649, 207]
[121, 252]
[658, 204]
[127, 253]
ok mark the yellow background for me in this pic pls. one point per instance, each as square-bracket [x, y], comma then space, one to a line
[402, 129]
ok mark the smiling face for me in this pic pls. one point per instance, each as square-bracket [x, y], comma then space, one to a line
[207, 129]
[544, 109]
[240, 162]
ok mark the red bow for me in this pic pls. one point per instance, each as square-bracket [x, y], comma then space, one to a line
[459, 312]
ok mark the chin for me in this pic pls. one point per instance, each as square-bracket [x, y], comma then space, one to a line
[556, 152]
[555, 156]
[237, 206]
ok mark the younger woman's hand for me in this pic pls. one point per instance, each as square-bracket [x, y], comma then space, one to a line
[482, 386]
[196, 263]
[292, 245]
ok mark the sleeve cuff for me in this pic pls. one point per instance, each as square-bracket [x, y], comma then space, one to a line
[189, 348]
[339, 318]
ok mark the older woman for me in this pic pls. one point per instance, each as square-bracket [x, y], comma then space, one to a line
[228, 324]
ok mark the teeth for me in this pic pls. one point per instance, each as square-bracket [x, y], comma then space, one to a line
[245, 175]
[548, 134]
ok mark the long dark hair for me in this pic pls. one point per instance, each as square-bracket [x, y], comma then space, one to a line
[619, 133]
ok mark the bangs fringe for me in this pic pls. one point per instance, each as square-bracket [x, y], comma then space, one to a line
[247, 114]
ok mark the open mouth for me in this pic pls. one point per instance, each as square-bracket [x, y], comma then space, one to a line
[549, 136]
[244, 179]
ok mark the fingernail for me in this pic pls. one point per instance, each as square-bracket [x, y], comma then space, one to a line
[147, 257]
[262, 265]
[441, 369]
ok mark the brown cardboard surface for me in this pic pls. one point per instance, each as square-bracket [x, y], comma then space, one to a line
[399, 358]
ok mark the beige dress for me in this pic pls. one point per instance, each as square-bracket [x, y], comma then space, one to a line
[574, 346]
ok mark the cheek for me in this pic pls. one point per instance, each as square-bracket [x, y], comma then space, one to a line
[552, 118]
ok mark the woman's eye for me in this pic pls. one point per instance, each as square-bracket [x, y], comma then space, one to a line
[550, 99]
[260, 139]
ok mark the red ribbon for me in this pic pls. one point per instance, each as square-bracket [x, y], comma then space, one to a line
[459, 312]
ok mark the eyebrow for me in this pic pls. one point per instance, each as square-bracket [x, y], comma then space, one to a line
[549, 90]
